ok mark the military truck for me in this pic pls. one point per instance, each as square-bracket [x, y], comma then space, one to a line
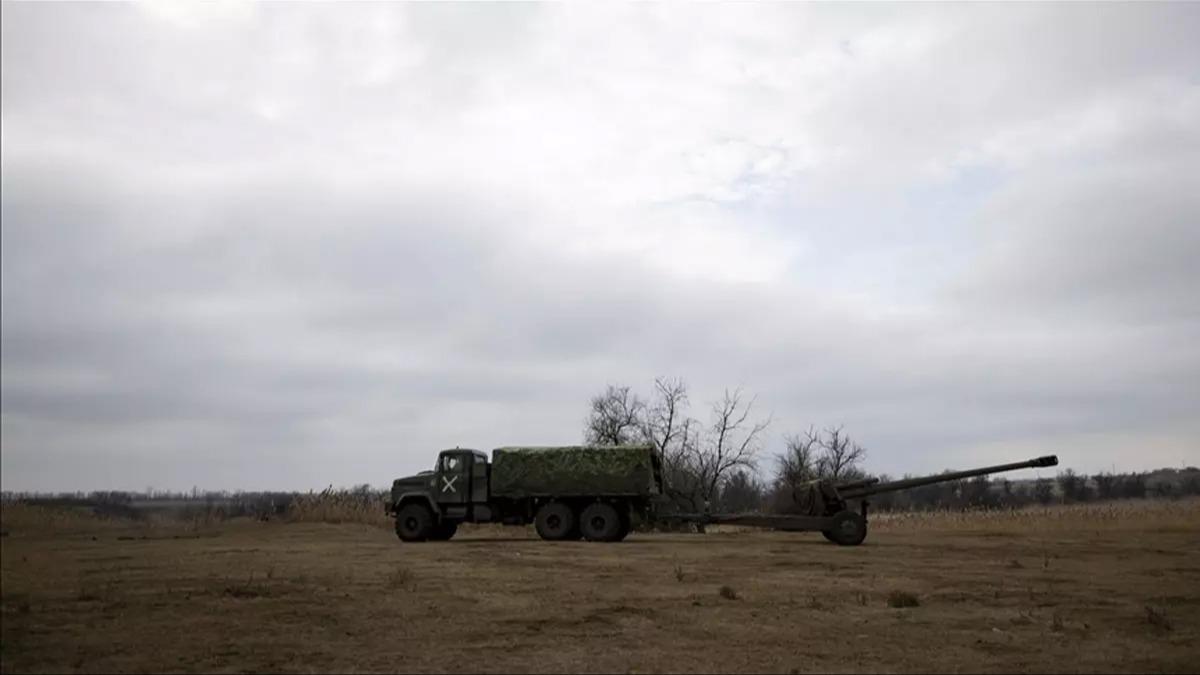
[569, 492]
[596, 492]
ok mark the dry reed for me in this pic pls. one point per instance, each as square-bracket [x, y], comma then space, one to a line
[330, 506]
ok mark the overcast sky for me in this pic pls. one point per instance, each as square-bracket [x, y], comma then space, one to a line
[287, 246]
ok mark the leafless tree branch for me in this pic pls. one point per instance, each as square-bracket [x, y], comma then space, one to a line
[616, 417]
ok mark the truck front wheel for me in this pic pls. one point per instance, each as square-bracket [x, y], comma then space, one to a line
[555, 521]
[414, 523]
[600, 522]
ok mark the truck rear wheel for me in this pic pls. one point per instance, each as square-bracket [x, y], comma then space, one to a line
[600, 522]
[626, 526]
[555, 521]
[414, 523]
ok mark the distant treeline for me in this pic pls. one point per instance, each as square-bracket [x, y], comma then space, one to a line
[218, 505]
[743, 491]
[1068, 487]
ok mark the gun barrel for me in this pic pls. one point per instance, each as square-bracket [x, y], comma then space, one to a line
[866, 491]
[858, 484]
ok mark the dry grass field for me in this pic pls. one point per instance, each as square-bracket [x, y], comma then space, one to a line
[1097, 588]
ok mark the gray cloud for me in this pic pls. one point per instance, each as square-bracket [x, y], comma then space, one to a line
[293, 246]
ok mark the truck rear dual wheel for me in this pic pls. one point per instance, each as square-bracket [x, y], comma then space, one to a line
[602, 522]
[556, 522]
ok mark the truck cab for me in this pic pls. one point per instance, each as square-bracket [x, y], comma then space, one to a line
[460, 480]
[430, 504]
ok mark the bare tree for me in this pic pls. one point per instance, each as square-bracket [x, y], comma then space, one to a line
[798, 463]
[978, 492]
[795, 467]
[681, 459]
[618, 416]
[741, 492]
[676, 437]
[615, 417]
[697, 461]
[1106, 485]
[1074, 486]
[734, 442]
[663, 422]
[1043, 490]
[840, 456]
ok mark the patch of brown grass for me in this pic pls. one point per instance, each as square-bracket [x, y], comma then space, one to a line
[1167, 515]
[17, 518]
[402, 579]
[311, 597]
[339, 507]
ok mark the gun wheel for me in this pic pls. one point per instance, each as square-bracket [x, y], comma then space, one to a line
[849, 529]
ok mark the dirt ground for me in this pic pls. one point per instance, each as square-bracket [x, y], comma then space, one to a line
[1090, 589]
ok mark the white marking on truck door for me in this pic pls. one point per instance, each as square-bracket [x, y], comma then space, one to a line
[448, 484]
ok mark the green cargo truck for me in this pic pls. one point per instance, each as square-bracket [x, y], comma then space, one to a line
[596, 492]
[593, 492]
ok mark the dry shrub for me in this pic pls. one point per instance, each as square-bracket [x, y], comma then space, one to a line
[1168, 515]
[403, 579]
[343, 506]
[1023, 618]
[20, 518]
[1158, 618]
[37, 519]
[900, 599]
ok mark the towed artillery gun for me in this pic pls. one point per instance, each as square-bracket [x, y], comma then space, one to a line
[597, 492]
[825, 508]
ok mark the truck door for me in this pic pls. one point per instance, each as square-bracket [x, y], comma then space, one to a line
[454, 478]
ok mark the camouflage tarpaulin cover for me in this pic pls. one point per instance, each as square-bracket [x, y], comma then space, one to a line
[574, 470]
